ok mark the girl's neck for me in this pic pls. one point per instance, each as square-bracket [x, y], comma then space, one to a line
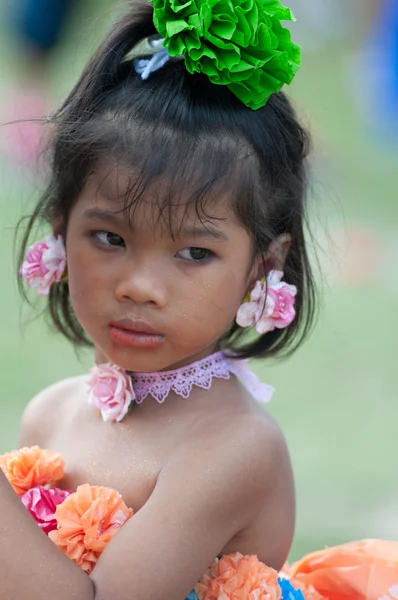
[200, 401]
[127, 389]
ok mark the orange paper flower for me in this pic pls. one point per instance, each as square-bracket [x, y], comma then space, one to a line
[364, 570]
[30, 467]
[87, 521]
[309, 592]
[237, 577]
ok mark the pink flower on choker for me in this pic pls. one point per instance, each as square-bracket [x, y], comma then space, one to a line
[44, 264]
[271, 305]
[111, 391]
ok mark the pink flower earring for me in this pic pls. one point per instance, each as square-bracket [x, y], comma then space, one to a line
[270, 306]
[45, 264]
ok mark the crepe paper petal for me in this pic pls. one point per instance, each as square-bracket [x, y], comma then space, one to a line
[270, 305]
[29, 467]
[362, 570]
[241, 43]
[87, 521]
[45, 264]
[238, 577]
[42, 503]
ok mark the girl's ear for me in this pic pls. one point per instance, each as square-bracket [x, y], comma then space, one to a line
[273, 260]
[57, 225]
[277, 252]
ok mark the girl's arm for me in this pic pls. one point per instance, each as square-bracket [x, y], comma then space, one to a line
[204, 496]
[30, 566]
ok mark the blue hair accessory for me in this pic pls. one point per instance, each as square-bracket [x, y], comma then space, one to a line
[160, 56]
[146, 66]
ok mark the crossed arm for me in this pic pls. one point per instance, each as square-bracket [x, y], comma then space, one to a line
[203, 497]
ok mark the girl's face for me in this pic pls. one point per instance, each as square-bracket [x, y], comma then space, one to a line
[148, 301]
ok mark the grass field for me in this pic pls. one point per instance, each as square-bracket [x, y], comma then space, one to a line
[337, 398]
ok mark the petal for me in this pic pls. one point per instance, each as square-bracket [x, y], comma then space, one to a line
[245, 314]
[274, 277]
[265, 325]
[123, 412]
[257, 292]
[291, 289]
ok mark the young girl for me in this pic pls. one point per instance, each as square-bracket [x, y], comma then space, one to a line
[176, 204]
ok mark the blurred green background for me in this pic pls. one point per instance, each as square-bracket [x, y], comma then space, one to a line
[337, 397]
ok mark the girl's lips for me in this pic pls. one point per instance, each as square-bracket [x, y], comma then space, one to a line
[133, 338]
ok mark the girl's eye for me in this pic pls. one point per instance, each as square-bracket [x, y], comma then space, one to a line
[108, 239]
[193, 254]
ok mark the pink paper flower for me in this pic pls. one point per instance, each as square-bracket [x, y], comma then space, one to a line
[42, 503]
[270, 306]
[44, 264]
[111, 391]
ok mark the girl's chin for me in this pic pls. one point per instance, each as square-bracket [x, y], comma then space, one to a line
[99, 356]
[138, 360]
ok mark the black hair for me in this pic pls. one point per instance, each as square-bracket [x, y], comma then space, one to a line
[196, 135]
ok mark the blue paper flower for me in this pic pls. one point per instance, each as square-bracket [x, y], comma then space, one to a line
[192, 596]
[288, 591]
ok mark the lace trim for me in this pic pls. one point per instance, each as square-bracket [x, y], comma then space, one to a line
[261, 392]
[201, 374]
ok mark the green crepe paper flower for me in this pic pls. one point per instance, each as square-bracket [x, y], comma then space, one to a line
[238, 43]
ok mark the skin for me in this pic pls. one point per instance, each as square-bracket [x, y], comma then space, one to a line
[151, 277]
[206, 476]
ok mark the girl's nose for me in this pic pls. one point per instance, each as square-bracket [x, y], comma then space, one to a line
[141, 286]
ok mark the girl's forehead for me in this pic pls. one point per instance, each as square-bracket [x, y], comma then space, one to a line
[160, 202]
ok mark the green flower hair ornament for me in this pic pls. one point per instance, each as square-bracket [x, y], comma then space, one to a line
[238, 43]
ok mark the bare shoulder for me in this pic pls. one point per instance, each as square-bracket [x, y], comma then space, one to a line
[270, 480]
[254, 471]
[39, 415]
[255, 444]
[247, 447]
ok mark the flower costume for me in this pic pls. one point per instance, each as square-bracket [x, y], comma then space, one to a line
[81, 523]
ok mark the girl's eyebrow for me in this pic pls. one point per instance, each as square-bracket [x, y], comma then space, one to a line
[103, 215]
[204, 232]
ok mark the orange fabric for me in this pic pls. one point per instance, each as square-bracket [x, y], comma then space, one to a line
[87, 521]
[238, 577]
[364, 570]
[29, 467]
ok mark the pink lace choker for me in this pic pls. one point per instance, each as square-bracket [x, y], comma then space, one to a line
[112, 390]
